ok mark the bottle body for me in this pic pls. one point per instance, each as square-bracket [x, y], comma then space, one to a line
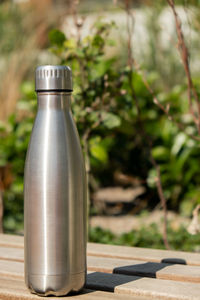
[54, 201]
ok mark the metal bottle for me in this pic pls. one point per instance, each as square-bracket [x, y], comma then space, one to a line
[54, 191]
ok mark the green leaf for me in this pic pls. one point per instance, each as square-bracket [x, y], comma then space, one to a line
[151, 179]
[98, 41]
[27, 88]
[70, 44]
[110, 120]
[97, 150]
[178, 143]
[56, 37]
[17, 186]
[160, 152]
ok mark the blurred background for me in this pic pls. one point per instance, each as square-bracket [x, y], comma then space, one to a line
[131, 106]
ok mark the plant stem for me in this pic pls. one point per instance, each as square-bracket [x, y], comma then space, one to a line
[130, 22]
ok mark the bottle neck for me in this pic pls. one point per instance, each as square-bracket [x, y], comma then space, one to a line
[53, 100]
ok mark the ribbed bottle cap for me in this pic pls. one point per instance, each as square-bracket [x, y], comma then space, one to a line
[53, 78]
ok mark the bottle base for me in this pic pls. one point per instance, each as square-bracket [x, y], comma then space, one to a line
[55, 285]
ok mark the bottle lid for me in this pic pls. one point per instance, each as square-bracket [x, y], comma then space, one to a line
[53, 78]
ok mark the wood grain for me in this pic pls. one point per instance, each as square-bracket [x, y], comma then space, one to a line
[11, 289]
[144, 254]
[176, 272]
[120, 266]
[13, 254]
[9, 240]
[115, 283]
[11, 269]
[101, 250]
[145, 269]
[114, 272]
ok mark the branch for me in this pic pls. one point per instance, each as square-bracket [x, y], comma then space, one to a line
[162, 200]
[162, 107]
[184, 53]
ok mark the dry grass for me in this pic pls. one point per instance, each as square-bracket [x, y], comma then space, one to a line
[20, 63]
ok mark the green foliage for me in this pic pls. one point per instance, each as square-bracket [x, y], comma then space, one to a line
[110, 131]
[56, 37]
[103, 96]
[148, 237]
[15, 135]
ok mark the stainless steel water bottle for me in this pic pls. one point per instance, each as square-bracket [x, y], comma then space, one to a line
[54, 191]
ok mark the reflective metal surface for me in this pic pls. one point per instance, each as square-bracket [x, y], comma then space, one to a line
[54, 201]
[53, 78]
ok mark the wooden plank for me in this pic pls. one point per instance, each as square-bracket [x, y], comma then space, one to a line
[146, 269]
[144, 254]
[148, 287]
[10, 240]
[12, 286]
[120, 266]
[111, 265]
[107, 265]
[134, 285]
[13, 254]
[136, 253]
[11, 269]
[16, 290]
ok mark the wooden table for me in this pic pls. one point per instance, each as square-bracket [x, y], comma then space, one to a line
[114, 272]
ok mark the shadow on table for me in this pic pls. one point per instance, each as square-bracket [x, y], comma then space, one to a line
[121, 275]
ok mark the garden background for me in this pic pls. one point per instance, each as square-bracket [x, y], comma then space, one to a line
[136, 72]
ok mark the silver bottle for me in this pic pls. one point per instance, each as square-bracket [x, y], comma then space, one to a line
[54, 191]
